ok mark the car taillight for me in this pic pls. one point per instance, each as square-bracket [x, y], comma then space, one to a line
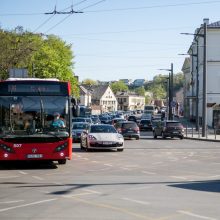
[119, 130]
[137, 129]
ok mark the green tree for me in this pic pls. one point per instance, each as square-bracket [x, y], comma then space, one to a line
[140, 91]
[118, 86]
[43, 56]
[89, 82]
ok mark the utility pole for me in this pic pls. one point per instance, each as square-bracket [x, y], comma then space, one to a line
[204, 104]
[171, 94]
[170, 112]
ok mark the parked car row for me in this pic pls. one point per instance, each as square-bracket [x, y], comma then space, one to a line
[104, 132]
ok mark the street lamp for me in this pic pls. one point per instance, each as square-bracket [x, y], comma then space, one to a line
[170, 90]
[192, 83]
[204, 103]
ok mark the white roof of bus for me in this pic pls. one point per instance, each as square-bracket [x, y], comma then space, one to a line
[24, 79]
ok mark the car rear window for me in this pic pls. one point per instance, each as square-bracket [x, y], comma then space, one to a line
[129, 125]
[174, 124]
[80, 126]
[145, 121]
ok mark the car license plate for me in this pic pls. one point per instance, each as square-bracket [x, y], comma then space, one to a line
[31, 156]
[107, 142]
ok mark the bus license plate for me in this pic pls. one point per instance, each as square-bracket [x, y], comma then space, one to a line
[30, 156]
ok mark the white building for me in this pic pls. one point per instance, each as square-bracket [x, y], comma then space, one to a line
[212, 63]
[128, 101]
[102, 97]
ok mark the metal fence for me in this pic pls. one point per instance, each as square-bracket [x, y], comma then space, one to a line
[194, 132]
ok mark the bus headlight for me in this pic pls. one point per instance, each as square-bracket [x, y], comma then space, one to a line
[61, 147]
[6, 148]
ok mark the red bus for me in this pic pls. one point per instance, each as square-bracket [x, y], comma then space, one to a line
[27, 108]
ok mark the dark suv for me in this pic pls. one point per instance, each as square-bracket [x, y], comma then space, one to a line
[128, 129]
[168, 129]
[145, 124]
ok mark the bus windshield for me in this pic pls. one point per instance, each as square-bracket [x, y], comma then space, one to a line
[32, 115]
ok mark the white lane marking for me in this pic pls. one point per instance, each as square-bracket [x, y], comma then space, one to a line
[125, 168]
[137, 201]
[216, 176]
[195, 215]
[86, 192]
[85, 158]
[22, 172]
[101, 169]
[147, 172]
[6, 177]
[91, 191]
[37, 177]
[94, 161]
[8, 202]
[140, 188]
[25, 205]
[109, 165]
[179, 177]
[157, 163]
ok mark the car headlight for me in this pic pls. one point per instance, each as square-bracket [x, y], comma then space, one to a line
[91, 137]
[119, 136]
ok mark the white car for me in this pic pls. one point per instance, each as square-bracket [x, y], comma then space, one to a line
[102, 136]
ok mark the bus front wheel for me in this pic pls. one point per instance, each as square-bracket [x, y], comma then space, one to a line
[62, 161]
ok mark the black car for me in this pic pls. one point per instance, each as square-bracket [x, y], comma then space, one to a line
[77, 129]
[145, 124]
[128, 129]
[168, 128]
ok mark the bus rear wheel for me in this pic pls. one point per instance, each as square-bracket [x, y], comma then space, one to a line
[63, 161]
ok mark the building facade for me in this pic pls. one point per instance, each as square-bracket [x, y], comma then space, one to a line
[102, 97]
[128, 101]
[202, 83]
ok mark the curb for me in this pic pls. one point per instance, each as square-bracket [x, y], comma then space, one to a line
[200, 139]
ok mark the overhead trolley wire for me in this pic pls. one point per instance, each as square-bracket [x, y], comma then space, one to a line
[154, 6]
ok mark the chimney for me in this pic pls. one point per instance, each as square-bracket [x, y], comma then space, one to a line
[206, 21]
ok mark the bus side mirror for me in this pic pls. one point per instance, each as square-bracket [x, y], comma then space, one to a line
[76, 110]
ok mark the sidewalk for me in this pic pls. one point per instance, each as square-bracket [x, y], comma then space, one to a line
[192, 133]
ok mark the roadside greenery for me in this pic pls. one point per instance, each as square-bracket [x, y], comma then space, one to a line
[43, 56]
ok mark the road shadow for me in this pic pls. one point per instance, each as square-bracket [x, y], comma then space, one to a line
[207, 186]
[27, 165]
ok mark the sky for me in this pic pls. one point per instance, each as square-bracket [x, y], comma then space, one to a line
[116, 39]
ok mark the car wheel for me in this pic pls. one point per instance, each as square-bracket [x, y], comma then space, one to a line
[121, 149]
[137, 138]
[154, 134]
[163, 136]
[62, 161]
[181, 137]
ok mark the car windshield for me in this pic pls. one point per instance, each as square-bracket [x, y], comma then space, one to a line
[80, 126]
[102, 129]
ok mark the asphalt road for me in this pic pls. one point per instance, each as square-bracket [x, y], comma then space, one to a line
[151, 179]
